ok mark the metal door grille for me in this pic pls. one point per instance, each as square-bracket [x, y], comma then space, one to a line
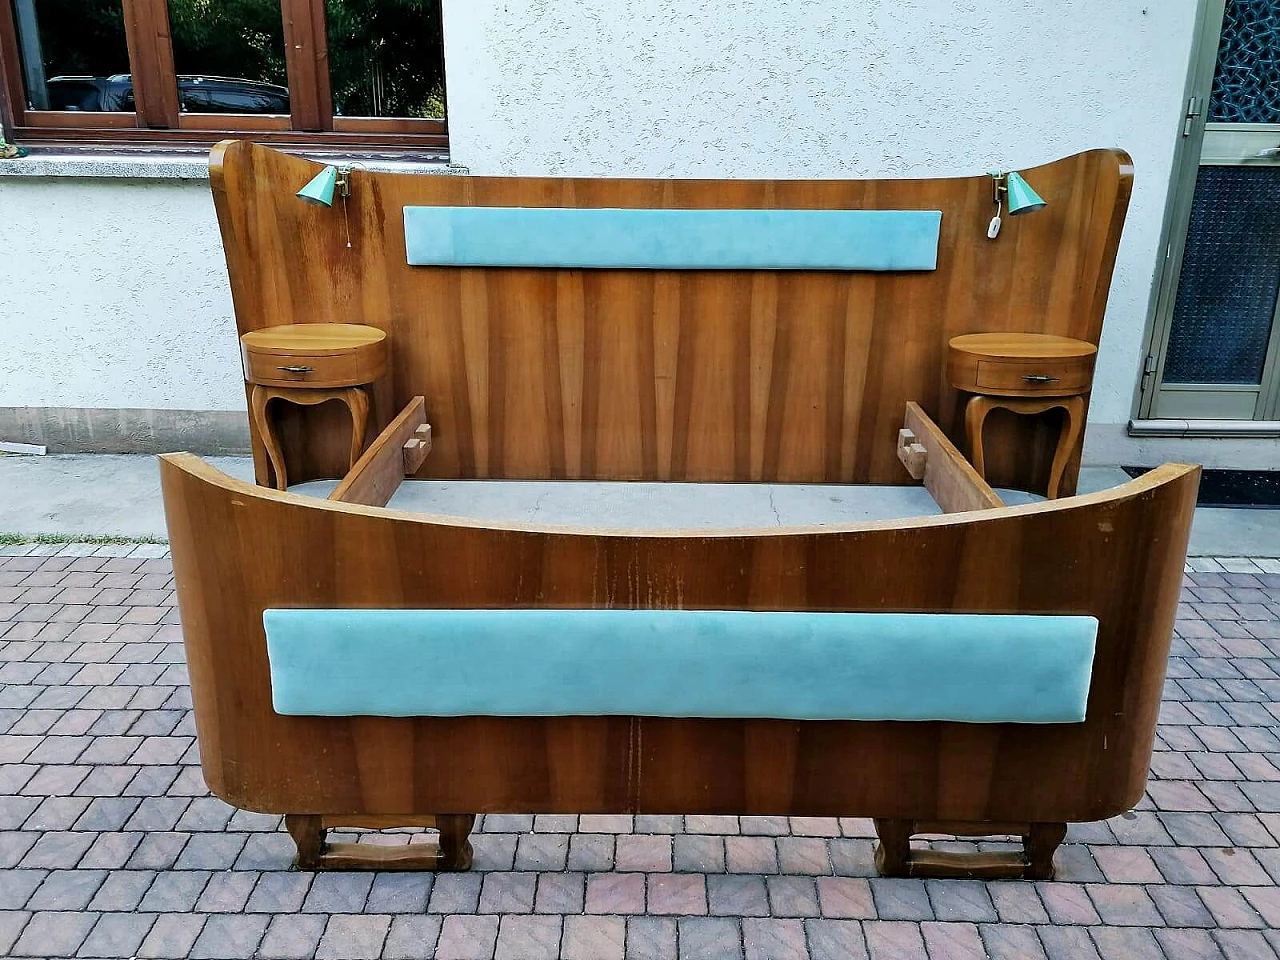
[1230, 278]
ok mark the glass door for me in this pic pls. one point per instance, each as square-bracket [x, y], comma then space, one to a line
[1218, 346]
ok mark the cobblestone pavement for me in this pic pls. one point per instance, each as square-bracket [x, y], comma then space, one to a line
[110, 845]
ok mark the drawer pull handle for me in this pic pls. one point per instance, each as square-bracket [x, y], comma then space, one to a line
[296, 369]
[1039, 378]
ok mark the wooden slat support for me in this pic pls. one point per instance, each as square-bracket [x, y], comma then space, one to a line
[895, 858]
[930, 456]
[451, 851]
[376, 475]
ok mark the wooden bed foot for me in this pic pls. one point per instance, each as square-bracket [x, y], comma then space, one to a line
[895, 858]
[451, 852]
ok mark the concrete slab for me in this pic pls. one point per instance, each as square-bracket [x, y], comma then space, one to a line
[119, 495]
[103, 495]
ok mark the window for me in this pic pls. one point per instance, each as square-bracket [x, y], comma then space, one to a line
[190, 72]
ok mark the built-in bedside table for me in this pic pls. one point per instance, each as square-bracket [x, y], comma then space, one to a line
[1026, 373]
[309, 363]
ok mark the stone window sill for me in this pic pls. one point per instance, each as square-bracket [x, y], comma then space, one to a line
[193, 165]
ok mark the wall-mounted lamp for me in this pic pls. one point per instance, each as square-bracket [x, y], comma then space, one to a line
[321, 188]
[1013, 189]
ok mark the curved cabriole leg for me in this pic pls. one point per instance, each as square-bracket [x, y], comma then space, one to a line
[893, 852]
[259, 399]
[455, 842]
[975, 416]
[358, 405]
[1041, 843]
[307, 830]
[1073, 409]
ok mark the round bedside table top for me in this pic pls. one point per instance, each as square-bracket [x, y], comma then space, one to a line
[312, 339]
[1020, 364]
[1022, 346]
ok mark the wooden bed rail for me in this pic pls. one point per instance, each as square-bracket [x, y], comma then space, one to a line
[929, 456]
[397, 452]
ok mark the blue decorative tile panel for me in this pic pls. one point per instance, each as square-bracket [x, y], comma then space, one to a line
[1246, 86]
[1230, 278]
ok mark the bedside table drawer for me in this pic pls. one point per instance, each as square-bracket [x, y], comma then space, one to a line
[334, 370]
[320, 355]
[1021, 377]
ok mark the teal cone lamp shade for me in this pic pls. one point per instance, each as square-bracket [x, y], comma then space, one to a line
[320, 188]
[1022, 199]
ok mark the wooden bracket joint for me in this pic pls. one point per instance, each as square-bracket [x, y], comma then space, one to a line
[416, 449]
[912, 453]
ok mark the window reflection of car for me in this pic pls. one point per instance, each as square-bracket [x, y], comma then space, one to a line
[196, 94]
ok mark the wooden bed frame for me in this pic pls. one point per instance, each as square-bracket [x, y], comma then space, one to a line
[239, 550]
[733, 375]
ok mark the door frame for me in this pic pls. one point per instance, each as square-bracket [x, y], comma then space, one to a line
[1174, 229]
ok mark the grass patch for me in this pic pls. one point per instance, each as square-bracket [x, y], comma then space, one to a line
[15, 539]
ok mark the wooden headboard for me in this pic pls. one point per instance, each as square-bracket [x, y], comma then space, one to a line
[726, 375]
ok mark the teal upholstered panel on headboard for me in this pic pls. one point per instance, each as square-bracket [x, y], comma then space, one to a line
[680, 663]
[672, 239]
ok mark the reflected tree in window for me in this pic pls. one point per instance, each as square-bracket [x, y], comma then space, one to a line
[242, 39]
[386, 58]
[82, 37]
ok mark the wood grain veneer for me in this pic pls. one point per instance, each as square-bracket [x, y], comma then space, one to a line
[239, 549]
[775, 376]
[783, 376]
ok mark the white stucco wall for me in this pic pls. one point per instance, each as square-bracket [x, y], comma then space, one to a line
[116, 292]
[115, 295]
[829, 88]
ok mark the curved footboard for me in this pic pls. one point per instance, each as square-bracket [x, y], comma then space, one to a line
[240, 550]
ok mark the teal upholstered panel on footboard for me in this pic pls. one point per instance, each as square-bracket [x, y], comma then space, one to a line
[680, 663]
[672, 239]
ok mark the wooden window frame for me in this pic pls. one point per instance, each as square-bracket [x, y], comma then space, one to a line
[158, 121]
